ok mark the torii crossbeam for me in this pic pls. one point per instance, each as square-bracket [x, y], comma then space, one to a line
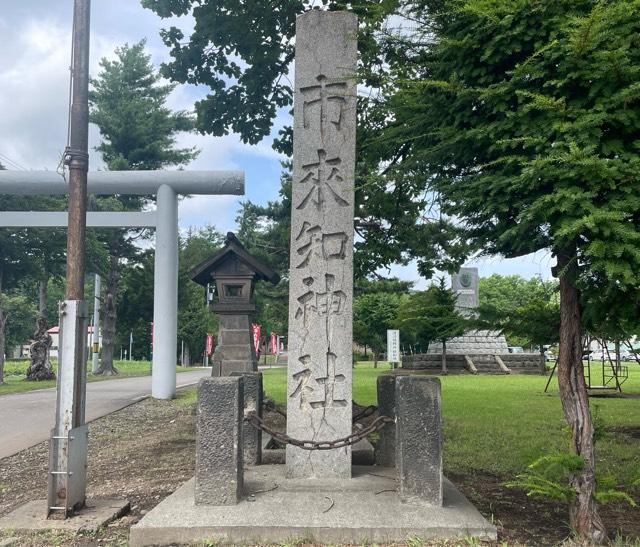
[166, 185]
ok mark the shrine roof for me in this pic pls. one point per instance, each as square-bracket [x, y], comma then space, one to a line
[201, 274]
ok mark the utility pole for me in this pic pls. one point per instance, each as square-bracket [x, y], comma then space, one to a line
[68, 444]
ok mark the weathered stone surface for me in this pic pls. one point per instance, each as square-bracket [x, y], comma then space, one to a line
[474, 342]
[219, 441]
[386, 447]
[321, 272]
[235, 351]
[251, 437]
[364, 510]
[465, 285]
[32, 517]
[517, 362]
[419, 439]
[234, 337]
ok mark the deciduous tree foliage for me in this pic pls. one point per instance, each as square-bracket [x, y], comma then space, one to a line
[195, 320]
[243, 51]
[12, 267]
[527, 311]
[265, 231]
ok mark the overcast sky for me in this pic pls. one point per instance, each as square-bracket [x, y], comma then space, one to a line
[34, 81]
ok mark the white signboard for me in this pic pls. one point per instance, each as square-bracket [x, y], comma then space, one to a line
[393, 346]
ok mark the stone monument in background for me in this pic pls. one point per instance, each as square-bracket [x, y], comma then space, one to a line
[473, 342]
[465, 285]
[321, 266]
[476, 350]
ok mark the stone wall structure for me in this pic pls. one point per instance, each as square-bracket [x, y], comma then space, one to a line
[321, 267]
[517, 362]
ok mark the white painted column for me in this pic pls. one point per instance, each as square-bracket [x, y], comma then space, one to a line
[165, 297]
[95, 337]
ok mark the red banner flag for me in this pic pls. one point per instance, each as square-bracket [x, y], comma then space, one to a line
[256, 329]
[209, 344]
[273, 344]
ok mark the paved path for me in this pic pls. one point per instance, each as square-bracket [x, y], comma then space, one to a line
[27, 418]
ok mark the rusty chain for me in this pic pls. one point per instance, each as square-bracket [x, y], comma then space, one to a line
[255, 421]
[271, 406]
[364, 413]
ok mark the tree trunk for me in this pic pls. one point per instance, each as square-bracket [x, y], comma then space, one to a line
[583, 511]
[43, 285]
[40, 367]
[543, 359]
[375, 359]
[109, 322]
[444, 357]
[3, 323]
[187, 357]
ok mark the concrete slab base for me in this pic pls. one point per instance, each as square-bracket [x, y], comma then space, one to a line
[364, 509]
[32, 516]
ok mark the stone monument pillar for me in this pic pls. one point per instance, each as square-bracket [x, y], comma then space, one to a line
[465, 285]
[321, 268]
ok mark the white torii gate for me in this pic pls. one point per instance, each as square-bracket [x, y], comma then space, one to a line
[166, 185]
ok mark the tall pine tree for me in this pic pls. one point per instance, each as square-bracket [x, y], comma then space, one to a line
[138, 130]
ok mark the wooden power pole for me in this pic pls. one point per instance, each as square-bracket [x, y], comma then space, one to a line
[68, 443]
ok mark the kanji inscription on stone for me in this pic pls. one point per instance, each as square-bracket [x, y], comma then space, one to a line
[321, 275]
[321, 178]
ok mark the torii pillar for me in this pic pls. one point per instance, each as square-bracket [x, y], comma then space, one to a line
[166, 185]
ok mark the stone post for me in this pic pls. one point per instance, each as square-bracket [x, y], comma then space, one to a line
[386, 447]
[419, 439]
[251, 437]
[321, 266]
[219, 474]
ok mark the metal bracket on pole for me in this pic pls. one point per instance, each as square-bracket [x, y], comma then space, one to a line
[68, 474]
[68, 444]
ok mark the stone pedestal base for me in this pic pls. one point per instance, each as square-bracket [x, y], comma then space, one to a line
[363, 509]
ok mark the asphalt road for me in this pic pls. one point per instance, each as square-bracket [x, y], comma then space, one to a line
[27, 418]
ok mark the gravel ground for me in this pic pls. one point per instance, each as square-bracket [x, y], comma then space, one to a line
[146, 451]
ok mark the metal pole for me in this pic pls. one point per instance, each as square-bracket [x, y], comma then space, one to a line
[165, 298]
[130, 344]
[68, 445]
[95, 338]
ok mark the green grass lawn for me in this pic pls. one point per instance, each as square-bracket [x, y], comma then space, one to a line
[14, 375]
[500, 424]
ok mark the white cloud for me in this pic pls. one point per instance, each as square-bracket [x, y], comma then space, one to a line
[217, 211]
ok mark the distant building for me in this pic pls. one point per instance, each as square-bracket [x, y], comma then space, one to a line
[54, 332]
